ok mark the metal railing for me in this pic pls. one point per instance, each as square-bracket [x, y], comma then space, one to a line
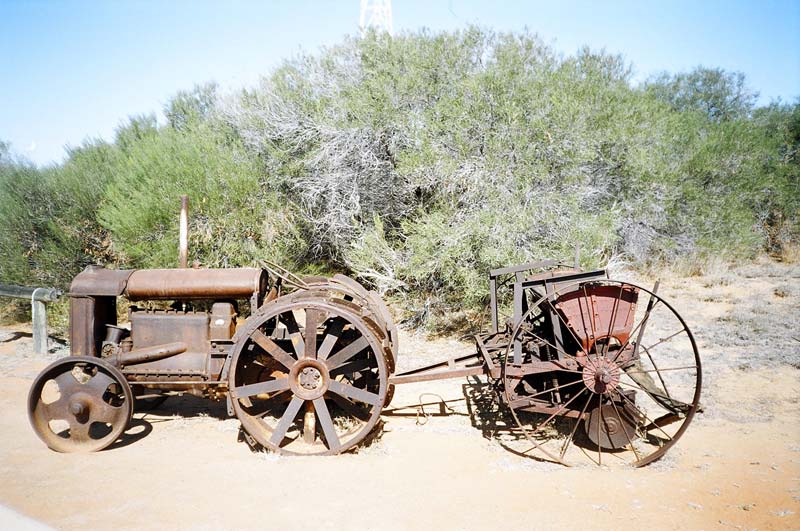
[38, 297]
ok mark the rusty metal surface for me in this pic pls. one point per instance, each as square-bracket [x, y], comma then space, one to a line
[340, 286]
[88, 317]
[309, 374]
[470, 365]
[587, 382]
[90, 409]
[309, 371]
[588, 313]
[99, 281]
[223, 321]
[151, 330]
[188, 284]
[147, 354]
[342, 339]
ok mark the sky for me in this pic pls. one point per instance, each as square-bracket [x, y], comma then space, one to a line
[71, 71]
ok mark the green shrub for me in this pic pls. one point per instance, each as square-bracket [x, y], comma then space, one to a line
[234, 218]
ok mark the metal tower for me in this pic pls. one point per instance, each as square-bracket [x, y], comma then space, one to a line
[376, 14]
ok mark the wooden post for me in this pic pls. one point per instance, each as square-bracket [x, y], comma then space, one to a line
[183, 236]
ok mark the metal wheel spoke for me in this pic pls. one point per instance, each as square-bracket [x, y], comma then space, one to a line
[666, 339]
[353, 367]
[347, 352]
[557, 413]
[100, 382]
[77, 430]
[559, 350]
[328, 428]
[355, 393]
[271, 386]
[578, 341]
[332, 333]
[313, 320]
[589, 310]
[614, 311]
[537, 446]
[622, 423]
[685, 368]
[635, 386]
[574, 429]
[55, 410]
[286, 420]
[349, 407]
[600, 423]
[103, 412]
[641, 324]
[294, 333]
[678, 404]
[644, 415]
[273, 349]
[650, 306]
[658, 372]
[66, 383]
[556, 388]
[270, 402]
[663, 420]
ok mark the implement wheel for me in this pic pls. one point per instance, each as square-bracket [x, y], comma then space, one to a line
[628, 380]
[309, 376]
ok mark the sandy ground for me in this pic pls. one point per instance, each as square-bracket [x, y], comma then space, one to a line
[738, 465]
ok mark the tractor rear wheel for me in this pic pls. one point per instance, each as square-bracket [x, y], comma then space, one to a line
[309, 375]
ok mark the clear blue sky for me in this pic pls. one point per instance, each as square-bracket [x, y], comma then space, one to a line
[72, 70]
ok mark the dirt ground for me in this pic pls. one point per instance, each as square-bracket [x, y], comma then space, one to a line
[183, 467]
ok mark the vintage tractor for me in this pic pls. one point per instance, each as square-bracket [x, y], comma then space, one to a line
[589, 369]
[306, 373]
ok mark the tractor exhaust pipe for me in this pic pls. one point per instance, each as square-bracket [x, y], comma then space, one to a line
[183, 237]
[147, 354]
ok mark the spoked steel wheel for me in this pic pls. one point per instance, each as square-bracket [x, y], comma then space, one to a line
[309, 376]
[80, 404]
[602, 372]
[344, 287]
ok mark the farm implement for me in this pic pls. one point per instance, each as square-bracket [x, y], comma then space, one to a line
[591, 370]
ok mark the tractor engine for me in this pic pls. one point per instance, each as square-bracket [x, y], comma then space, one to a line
[179, 342]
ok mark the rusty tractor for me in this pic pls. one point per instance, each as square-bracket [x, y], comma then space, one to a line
[589, 369]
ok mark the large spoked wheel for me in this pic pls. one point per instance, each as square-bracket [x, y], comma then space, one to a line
[80, 404]
[602, 372]
[308, 376]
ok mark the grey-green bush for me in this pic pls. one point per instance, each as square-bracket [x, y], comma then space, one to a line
[419, 162]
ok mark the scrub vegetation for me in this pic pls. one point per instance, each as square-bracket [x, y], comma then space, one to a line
[417, 163]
